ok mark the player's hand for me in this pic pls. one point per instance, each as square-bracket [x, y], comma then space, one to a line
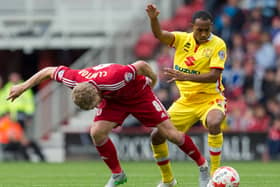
[174, 75]
[152, 11]
[151, 82]
[15, 92]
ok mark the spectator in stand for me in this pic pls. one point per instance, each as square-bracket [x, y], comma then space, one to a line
[238, 121]
[277, 8]
[251, 49]
[273, 108]
[276, 45]
[269, 10]
[223, 27]
[266, 50]
[254, 15]
[164, 59]
[234, 119]
[22, 110]
[237, 48]
[236, 108]
[253, 32]
[164, 96]
[237, 102]
[274, 140]
[174, 92]
[234, 78]
[249, 71]
[270, 88]
[251, 98]
[12, 138]
[246, 119]
[212, 6]
[230, 20]
[275, 28]
[262, 64]
[260, 121]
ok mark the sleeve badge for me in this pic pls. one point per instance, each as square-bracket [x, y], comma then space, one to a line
[128, 76]
[60, 74]
[222, 54]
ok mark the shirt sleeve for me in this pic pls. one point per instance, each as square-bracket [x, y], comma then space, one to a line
[59, 73]
[219, 57]
[177, 36]
[129, 72]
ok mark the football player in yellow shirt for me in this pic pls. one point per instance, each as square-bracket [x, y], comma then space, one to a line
[198, 64]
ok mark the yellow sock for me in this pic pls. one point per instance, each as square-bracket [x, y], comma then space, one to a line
[161, 156]
[215, 143]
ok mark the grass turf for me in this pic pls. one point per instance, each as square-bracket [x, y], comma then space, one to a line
[140, 174]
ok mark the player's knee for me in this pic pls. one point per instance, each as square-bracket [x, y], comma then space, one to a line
[156, 137]
[214, 122]
[214, 129]
[97, 136]
[214, 126]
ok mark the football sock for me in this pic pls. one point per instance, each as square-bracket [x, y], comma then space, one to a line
[192, 151]
[215, 143]
[161, 156]
[108, 153]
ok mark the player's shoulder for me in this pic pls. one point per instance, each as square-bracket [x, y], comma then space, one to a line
[105, 66]
[181, 34]
[217, 40]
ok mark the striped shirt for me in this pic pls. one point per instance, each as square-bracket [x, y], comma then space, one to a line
[115, 81]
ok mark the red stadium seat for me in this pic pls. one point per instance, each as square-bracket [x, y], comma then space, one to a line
[167, 25]
[184, 11]
[146, 45]
[181, 23]
[144, 51]
[182, 19]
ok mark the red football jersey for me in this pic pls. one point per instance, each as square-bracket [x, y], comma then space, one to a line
[115, 81]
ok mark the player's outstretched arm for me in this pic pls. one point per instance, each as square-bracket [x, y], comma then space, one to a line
[163, 36]
[38, 77]
[143, 68]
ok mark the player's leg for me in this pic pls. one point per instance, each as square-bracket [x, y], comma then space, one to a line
[99, 133]
[181, 116]
[107, 117]
[107, 151]
[215, 137]
[161, 156]
[152, 113]
[213, 120]
[185, 143]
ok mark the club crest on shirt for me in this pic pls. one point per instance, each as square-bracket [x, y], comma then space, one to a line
[222, 54]
[128, 76]
[207, 52]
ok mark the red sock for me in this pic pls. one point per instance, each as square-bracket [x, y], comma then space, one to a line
[108, 153]
[192, 151]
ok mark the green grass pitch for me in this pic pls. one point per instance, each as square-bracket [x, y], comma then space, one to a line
[140, 174]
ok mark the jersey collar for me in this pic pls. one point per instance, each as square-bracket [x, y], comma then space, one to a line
[211, 36]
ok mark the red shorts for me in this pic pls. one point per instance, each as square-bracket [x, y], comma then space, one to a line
[146, 108]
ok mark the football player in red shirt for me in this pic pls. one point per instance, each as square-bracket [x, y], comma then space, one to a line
[116, 91]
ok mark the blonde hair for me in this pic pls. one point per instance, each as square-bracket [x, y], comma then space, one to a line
[85, 95]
